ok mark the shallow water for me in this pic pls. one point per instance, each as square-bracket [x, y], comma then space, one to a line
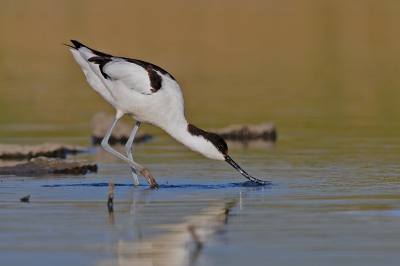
[325, 206]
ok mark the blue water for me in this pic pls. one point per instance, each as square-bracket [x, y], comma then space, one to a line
[320, 210]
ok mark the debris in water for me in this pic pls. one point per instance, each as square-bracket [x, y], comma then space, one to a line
[110, 203]
[53, 150]
[26, 198]
[265, 131]
[43, 165]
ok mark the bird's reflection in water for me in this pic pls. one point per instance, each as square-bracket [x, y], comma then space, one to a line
[180, 243]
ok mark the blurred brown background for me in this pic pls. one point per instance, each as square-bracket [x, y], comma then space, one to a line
[317, 63]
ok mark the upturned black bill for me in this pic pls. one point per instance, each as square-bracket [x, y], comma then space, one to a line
[244, 173]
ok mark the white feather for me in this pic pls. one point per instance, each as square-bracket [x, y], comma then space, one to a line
[131, 75]
[128, 90]
[91, 77]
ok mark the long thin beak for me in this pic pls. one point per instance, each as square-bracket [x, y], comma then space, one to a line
[244, 173]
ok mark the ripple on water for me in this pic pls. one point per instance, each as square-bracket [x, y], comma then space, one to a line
[167, 186]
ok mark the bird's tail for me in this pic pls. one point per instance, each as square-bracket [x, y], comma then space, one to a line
[81, 47]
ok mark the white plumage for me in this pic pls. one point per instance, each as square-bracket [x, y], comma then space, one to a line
[149, 94]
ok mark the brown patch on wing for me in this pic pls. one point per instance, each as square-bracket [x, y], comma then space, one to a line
[215, 139]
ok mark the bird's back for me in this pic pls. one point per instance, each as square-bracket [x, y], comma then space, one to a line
[134, 87]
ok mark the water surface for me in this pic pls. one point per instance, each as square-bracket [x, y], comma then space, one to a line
[325, 206]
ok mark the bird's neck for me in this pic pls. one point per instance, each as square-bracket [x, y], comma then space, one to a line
[179, 131]
[194, 138]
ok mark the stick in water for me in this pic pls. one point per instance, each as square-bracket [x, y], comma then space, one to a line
[110, 203]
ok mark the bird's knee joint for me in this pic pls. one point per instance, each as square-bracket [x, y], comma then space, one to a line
[128, 147]
[105, 145]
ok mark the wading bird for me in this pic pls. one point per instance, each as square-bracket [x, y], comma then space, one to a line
[148, 94]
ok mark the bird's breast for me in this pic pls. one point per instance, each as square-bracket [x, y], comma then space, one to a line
[163, 108]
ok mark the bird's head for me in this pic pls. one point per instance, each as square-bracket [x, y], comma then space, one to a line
[215, 147]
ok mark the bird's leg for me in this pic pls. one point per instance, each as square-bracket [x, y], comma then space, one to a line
[143, 170]
[128, 148]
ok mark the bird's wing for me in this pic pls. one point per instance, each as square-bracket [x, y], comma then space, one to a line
[135, 74]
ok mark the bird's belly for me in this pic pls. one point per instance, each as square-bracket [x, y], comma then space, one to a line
[157, 117]
[152, 109]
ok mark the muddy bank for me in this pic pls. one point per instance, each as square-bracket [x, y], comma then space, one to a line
[101, 122]
[53, 150]
[43, 165]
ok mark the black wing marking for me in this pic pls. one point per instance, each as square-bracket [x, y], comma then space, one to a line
[148, 66]
[102, 59]
[79, 45]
